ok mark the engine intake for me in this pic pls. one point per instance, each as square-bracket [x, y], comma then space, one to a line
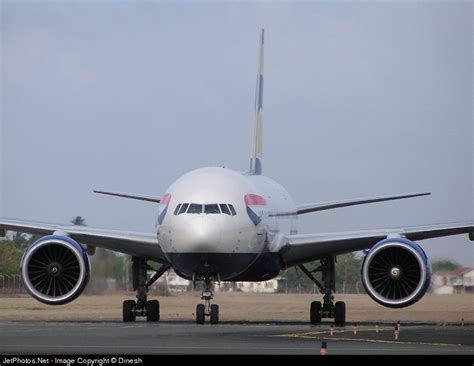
[55, 269]
[396, 273]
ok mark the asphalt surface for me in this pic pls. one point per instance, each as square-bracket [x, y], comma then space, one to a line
[43, 337]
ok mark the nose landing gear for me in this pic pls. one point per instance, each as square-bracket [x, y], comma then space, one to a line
[328, 309]
[142, 307]
[206, 309]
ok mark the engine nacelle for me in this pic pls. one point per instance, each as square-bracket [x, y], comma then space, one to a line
[396, 272]
[55, 269]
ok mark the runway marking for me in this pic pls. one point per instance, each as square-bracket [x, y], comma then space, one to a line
[385, 341]
[334, 331]
[324, 335]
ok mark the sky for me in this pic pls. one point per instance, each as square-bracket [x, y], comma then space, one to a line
[361, 99]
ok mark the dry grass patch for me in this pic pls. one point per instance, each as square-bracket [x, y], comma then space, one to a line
[241, 307]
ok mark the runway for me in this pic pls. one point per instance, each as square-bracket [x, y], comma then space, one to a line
[48, 337]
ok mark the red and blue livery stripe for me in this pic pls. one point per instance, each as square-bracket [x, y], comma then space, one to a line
[254, 200]
[165, 200]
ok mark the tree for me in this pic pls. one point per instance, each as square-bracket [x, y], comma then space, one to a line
[348, 278]
[444, 265]
[33, 238]
[20, 240]
[11, 257]
[79, 221]
[105, 265]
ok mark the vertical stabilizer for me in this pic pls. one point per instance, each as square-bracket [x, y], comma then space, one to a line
[256, 159]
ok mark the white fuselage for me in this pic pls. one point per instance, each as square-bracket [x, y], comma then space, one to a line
[226, 242]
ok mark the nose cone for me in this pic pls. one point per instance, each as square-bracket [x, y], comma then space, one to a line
[200, 234]
[195, 240]
[206, 245]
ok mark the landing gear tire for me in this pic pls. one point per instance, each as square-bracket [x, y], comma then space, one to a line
[200, 315]
[153, 311]
[315, 312]
[128, 311]
[214, 314]
[327, 287]
[340, 314]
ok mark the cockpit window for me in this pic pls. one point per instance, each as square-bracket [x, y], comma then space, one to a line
[183, 208]
[224, 209]
[232, 209]
[212, 209]
[194, 208]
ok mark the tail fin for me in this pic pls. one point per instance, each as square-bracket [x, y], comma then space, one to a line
[256, 159]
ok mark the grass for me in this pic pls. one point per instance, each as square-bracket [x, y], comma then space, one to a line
[241, 307]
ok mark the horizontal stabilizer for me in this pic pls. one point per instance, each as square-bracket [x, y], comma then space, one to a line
[134, 197]
[313, 207]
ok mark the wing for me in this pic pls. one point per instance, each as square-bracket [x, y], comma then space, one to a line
[299, 249]
[313, 207]
[132, 243]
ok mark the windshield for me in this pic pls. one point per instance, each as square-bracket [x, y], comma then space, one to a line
[212, 209]
[194, 208]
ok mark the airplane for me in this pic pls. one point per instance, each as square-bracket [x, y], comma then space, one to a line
[216, 224]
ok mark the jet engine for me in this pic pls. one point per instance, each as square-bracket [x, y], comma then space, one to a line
[55, 269]
[396, 272]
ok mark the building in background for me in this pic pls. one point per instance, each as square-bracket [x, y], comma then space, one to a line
[459, 281]
[468, 283]
[270, 286]
[176, 283]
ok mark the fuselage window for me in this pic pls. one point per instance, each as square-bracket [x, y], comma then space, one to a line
[183, 208]
[176, 210]
[232, 209]
[212, 209]
[224, 209]
[194, 208]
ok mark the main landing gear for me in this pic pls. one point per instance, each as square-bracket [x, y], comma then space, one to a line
[142, 307]
[328, 309]
[206, 309]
